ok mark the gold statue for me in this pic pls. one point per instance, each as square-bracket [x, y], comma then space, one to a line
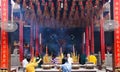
[61, 53]
[46, 58]
[60, 57]
[75, 57]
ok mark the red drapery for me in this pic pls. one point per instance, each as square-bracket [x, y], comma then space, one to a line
[102, 40]
[116, 12]
[4, 50]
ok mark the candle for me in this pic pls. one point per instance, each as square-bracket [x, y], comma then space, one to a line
[40, 38]
[46, 50]
[61, 53]
[73, 49]
[84, 38]
[60, 49]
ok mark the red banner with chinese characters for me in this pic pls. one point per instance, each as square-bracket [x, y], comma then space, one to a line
[4, 36]
[116, 9]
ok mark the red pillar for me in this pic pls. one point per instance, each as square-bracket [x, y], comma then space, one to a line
[102, 39]
[21, 40]
[37, 40]
[31, 39]
[87, 40]
[92, 37]
[0, 47]
[4, 49]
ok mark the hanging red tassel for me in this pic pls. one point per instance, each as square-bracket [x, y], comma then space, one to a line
[52, 10]
[58, 11]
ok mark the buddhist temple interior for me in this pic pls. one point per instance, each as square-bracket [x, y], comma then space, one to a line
[52, 29]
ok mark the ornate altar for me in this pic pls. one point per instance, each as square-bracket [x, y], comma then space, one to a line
[75, 57]
[47, 62]
[47, 59]
[89, 65]
[75, 64]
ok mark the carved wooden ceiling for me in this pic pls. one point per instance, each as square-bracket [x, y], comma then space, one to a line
[61, 13]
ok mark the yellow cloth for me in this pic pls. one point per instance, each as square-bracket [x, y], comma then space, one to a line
[92, 59]
[31, 66]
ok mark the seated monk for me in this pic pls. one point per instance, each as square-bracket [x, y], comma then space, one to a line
[92, 58]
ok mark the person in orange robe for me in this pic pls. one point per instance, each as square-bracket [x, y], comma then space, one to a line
[30, 67]
[92, 58]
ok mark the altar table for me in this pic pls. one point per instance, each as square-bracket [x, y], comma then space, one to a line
[73, 70]
[14, 69]
[109, 69]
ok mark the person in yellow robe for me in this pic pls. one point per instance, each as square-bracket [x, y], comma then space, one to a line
[30, 67]
[92, 58]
